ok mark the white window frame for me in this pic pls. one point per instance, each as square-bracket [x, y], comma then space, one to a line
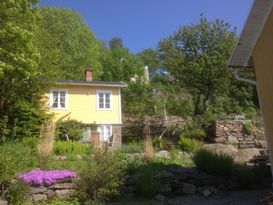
[104, 103]
[103, 136]
[59, 104]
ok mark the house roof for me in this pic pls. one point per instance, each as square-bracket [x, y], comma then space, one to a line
[92, 83]
[256, 20]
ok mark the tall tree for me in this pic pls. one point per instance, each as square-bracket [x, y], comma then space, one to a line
[19, 90]
[150, 58]
[67, 45]
[115, 43]
[197, 58]
[121, 65]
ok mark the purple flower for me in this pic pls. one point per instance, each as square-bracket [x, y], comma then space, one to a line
[39, 177]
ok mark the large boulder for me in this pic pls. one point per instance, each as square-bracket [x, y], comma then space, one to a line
[244, 155]
[228, 149]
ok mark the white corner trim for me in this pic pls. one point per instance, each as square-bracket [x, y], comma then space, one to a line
[120, 109]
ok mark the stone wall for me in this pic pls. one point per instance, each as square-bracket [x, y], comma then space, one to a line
[61, 189]
[231, 132]
[133, 128]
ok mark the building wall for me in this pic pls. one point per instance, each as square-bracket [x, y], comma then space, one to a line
[82, 105]
[263, 63]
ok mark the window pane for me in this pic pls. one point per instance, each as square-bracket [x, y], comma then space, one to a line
[102, 133]
[55, 99]
[107, 132]
[62, 99]
[107, 100]
[101, 103]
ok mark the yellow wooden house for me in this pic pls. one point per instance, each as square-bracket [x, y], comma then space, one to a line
[89, 101]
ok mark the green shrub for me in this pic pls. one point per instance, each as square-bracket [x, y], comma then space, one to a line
[18, 191]
[162, 143]
[248, 128]
[145, 184]
[189, 145]
[15, 158]
[101, 178]
[132, 147]
[72, 128]
[213, 163]
[197, 134]
[71, 148]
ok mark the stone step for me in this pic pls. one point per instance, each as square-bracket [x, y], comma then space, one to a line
[3, 202]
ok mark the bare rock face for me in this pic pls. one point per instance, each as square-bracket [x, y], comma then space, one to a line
[188, 188]
[38, 190]
[245, 155]
[63, 194]
[38, 197]
[3, 202]
[63, 186]
[233, 140]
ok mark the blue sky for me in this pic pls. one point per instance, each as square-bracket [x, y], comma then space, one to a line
[143, 23]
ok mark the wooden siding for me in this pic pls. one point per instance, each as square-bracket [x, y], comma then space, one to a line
[82, 105]
[263, 62]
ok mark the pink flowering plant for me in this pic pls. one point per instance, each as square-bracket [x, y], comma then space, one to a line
[39, 177]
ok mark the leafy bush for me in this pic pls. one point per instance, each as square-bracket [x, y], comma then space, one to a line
[70, 147]
[162, 143]
[18, 191]
[197, 134]
[101, 178]
[188, 145]
[145, 184]
[15, 158]
[213, 163]
[132, 147]
[72, 128]
[248, 128]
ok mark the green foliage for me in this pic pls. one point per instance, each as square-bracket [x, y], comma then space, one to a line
[137, 99]
[121, 65]
[150, 58]
[248, 128]
[101, 178]
[145, 184]
[189, 145]
[16, 158]
[213, 163]
[72, 128]
[20, 92]
[71, 162]
[18, 191]
[132, 147]
[67, 45]
[197, 56]
[71, 148]
[197, 134]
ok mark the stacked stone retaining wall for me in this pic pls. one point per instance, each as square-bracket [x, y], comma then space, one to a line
[61, 189]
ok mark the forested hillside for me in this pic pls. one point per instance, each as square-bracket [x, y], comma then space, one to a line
[188, 70]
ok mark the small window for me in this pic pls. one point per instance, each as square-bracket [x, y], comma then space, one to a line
[105, 132]
[58, 99]
[104, 100]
